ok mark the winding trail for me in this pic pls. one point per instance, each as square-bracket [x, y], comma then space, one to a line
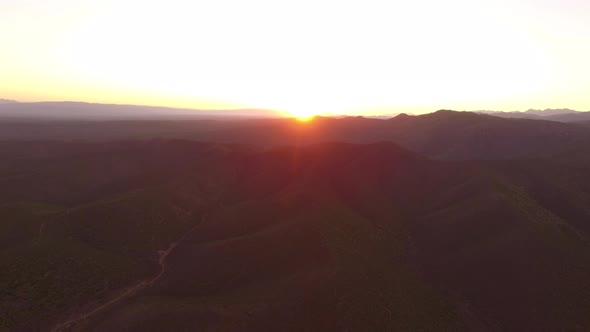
[127, 292]
[42, 228]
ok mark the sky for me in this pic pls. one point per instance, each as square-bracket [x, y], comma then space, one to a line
[304, 57]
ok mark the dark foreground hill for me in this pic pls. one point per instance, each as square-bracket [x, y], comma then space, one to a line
[444, 135]
[170, 235]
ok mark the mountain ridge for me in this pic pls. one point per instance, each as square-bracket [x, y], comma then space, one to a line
[70, 110]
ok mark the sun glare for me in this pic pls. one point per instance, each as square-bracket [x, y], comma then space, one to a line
[303, 116]
[399, 55]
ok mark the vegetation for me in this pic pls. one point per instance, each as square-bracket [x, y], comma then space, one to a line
[321, 237]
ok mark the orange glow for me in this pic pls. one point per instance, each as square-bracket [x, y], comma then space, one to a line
[303, 116]
[399, 56]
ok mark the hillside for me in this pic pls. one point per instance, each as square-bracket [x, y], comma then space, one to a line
[324, 238]
[465, 135]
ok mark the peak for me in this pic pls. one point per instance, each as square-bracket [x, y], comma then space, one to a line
[445, 111]
[454, 113]
[402, 117]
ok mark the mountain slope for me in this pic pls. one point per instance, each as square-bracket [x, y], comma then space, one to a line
[323, 237]
[337, 236]
[464, 135]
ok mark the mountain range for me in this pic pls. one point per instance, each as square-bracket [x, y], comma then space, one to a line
[560, 115]
[449, 221]
[441, 135]
[91, 111]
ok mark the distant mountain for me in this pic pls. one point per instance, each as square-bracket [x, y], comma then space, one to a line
[7, 101]
[442, 135]
[560, 115]
[550, 112]
[512, 115]
[466, 135]
[90, 111]
[570, 117]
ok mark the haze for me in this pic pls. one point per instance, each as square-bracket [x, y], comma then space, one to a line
[305, 57]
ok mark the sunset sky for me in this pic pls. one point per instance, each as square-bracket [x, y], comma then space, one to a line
[305, 56]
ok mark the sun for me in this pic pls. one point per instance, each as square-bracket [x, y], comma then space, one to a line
[303, 115]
